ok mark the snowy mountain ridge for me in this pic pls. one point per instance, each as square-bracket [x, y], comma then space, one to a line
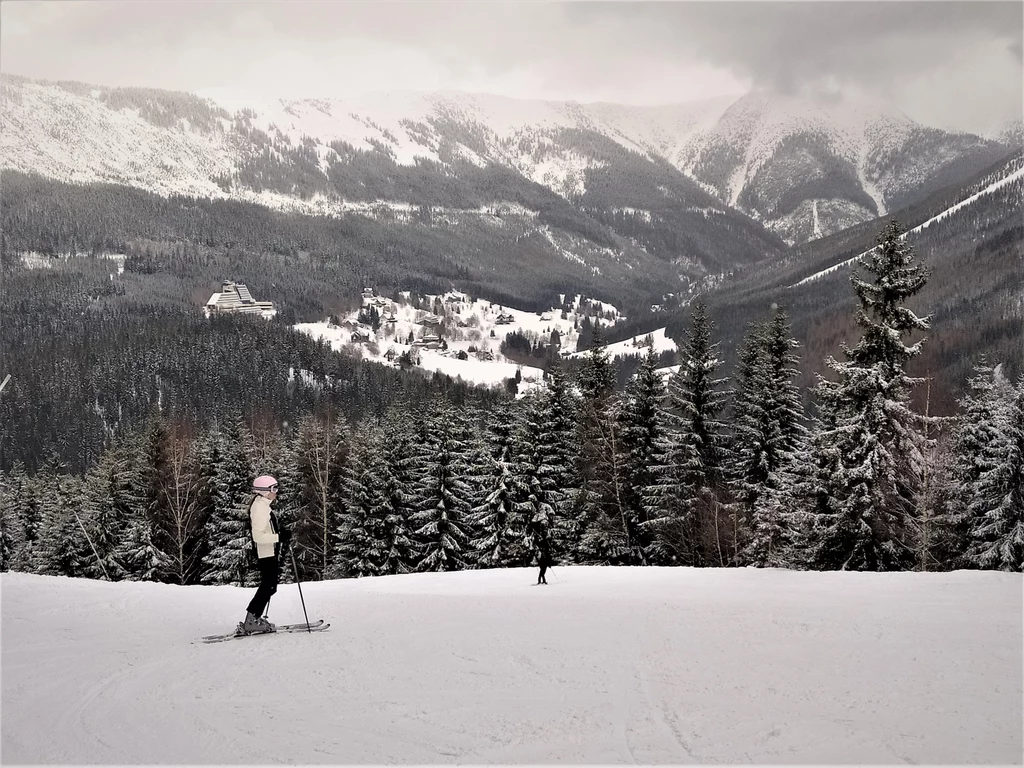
[803, 167]
[1012, 172]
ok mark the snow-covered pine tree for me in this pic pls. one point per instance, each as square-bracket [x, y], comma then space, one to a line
[361, 540]
[499, 526]
[397, 451]
[768, 432]
[10, 530]
[135, 551]
[226, 479]
[869, 442]
[112, 499]
[997, 498]
[969, 453]
[600, 511]
[62, 548]
[21, 511]
[441, 494]
[641, 429]
[323, 448]
[558, 469]
[686, 502]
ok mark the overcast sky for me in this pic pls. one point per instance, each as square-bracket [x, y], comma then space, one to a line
[953, 64]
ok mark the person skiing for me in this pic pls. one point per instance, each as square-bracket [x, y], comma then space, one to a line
[270, 540]
[543, 559]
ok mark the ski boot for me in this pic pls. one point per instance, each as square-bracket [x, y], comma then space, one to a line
[254, 625]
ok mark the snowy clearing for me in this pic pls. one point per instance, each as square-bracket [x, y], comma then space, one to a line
[605, 665]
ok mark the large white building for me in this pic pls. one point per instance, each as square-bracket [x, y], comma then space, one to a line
[235, 297]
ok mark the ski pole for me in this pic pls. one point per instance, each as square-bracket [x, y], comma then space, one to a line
[295, 572]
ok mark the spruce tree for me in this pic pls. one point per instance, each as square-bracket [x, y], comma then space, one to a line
[768, 432]
[599, 511]
[870, 445]
[973, 446]
[997, 498]
[362, 540]
[21, 512]
[641, 430]
[686, 500]
[226, 481]
[500, 527]
[441, 493]
[62, 548]
[557, 458]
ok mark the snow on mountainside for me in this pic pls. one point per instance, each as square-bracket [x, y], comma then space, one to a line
[807, 167]
[804, 167]
[1011, 173]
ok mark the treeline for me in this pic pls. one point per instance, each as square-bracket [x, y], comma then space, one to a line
[693, 471]
[92, 356]
[503, 257]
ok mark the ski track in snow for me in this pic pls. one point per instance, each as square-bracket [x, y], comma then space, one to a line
[938, 217]
[605, 665]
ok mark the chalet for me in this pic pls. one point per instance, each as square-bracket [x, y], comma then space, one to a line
[235, 298]
[428, 342]
[359, 337]
[390, 355]
[389, 317]
[504, 319]
[432, 321]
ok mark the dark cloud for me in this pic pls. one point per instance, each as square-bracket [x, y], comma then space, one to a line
[786, 44]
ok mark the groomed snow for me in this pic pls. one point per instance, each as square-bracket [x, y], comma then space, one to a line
[605, 665]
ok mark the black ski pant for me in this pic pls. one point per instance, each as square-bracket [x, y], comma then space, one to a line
[269, 573]
[541, 579]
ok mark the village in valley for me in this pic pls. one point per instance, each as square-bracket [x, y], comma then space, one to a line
[454, 333]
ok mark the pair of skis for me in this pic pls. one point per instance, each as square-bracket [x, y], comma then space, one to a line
[316, 626]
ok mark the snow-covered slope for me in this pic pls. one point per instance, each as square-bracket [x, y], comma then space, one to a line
[472, 335]
[804, 167]
[1009, 174]
[603, 666]
[810, 166]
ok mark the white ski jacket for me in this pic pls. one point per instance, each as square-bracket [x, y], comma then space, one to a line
[263, 532]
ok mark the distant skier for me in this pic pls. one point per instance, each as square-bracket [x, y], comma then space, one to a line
[269, 540]
[543, 559]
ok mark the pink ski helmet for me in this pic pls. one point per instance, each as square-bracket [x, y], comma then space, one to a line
[264, 483]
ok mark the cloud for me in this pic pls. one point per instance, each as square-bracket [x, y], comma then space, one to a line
[631, 52]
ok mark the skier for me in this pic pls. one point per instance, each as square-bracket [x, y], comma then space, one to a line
[270, 540]
[543, 559]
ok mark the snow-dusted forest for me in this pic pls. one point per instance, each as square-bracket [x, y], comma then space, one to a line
[694, 470]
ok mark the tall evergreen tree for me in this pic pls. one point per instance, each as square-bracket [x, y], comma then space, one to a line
[501, 530]
[768, 432]
[599, 509]
[557, 458]
[686, 499]
[22, 513]
[362, 541]
[226, 479]
[997, 503]
[972, 450]
[441, 493]
[870, 443]
[323, 448]
[641, 430]
[62, 548]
